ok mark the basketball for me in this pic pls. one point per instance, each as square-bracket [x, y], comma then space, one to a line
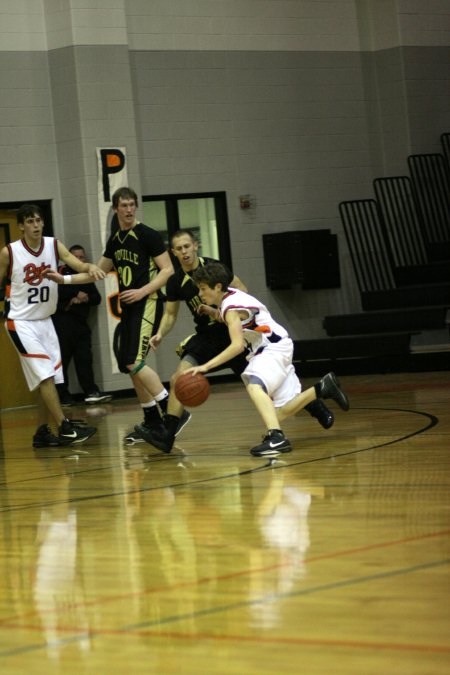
[192, 390]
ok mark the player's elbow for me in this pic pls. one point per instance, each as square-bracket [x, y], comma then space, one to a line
[168, 270]
[239, 346]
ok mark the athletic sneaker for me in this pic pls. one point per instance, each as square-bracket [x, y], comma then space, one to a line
[319, 410]
[43, 438]
[274, 443]
[160, 437]
[184, 419]
[329, 387]
[97, 397]
[75, 432]
[134, 437]
[137, 437]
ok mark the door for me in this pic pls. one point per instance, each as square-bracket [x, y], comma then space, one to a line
[205, 214]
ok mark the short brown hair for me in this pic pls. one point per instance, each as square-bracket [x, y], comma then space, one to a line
[124, 193]
[28, 211]
[213, 273]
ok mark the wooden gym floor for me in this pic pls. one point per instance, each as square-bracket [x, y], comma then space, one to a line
[333, 559]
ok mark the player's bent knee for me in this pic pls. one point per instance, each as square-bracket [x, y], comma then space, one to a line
[254, 380]
[133, 370]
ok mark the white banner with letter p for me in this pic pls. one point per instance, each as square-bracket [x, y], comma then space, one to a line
[112, 174]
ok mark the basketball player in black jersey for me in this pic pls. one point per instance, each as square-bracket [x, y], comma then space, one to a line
[211, 337]
[139, 256]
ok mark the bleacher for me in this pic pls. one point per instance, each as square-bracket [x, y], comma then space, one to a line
[399, 244]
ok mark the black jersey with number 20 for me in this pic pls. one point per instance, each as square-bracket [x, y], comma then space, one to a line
[132, 252]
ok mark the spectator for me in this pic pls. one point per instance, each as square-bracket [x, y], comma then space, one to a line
[74, 334]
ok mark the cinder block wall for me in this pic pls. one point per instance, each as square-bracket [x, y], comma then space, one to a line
[299, 104]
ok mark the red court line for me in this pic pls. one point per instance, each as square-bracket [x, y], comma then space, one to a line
[313, 642]
[259, 639]
[361, 644]
[232, 575]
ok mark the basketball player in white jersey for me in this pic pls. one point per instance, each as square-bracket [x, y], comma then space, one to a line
[270, 376]
[30, 301]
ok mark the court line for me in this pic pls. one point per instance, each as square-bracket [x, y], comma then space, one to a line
[136, 629]
[245, 572]
[432, 422]
[271, 464]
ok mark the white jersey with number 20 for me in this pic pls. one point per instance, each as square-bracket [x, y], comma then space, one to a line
[30, 296]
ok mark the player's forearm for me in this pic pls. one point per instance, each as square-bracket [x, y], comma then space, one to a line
[159, 281]
[166, 325]
[234, 349]
[81, 267]
[80, 278]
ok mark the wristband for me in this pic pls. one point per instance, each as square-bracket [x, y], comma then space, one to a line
[67, 278]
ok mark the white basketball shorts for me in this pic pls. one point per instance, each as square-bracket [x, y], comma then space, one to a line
[37, 345]
[273, 366]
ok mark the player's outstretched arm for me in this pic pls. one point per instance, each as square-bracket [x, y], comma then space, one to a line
[167, 323]
[80, 278]
[53, 275]
[93, 272]
[164, 264]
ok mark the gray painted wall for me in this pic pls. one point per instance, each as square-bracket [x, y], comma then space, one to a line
[297, 127]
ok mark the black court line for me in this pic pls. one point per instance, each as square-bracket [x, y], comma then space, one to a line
[274, 597]
[271, 464]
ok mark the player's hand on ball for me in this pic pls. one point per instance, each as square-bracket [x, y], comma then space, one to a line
[195, 370]
[192, 388]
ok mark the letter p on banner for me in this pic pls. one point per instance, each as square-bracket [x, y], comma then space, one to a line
[112, 160]
[112, 174]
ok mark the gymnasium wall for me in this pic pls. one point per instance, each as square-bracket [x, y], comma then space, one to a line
[299, 103]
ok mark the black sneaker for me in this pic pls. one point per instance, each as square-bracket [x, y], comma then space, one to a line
[160, 437]
[184, 419]
[274, 443]
[134, 437]
[330, 388]
[74, 432]
[319, 410]
[97, 397]
[43, 438]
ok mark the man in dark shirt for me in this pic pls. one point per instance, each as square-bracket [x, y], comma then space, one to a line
[74, 334]
[138, 254]
[143, 265]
